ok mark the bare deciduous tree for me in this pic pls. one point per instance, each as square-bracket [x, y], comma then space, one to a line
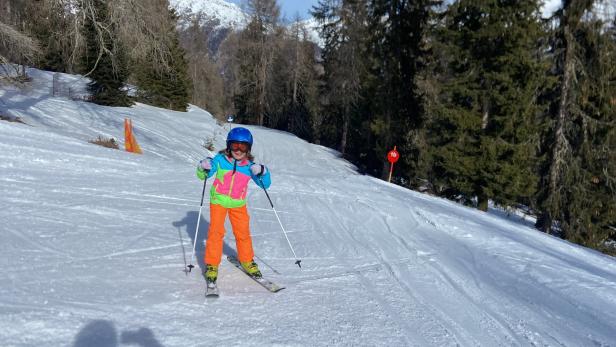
[15, 47]
[207, 84]
[255, 56]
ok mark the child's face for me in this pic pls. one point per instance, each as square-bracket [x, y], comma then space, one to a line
[238, 155]
[238, 149]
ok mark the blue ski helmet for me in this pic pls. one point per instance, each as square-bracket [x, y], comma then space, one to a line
[239, 134]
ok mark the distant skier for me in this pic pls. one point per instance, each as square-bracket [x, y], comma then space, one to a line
[232, 168]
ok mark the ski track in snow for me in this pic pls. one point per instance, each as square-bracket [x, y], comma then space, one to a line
[95, 243]
[409, 334]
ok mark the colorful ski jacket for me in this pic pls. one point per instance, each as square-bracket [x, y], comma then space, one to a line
[231, 181]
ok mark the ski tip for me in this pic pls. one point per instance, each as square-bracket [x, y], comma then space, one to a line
[211, 293]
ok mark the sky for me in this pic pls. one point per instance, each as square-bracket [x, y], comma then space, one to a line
[290, 7]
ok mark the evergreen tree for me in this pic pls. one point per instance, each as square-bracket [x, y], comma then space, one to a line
[249, 98]
[257, 44]
[483, 128]
[398, 30]
[344, 31]
[294, 93]
[104, 59]
[579, 171]
[165, 85]
[326, 130]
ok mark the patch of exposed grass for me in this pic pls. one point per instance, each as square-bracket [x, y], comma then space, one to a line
[209, 143]
[109, 143]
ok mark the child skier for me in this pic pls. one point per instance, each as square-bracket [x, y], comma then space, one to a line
[232, 168]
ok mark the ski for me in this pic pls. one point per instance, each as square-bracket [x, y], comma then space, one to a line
[211, 290]
[267, 284]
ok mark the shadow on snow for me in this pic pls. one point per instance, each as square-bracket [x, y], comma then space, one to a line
[102, 333]
[189, 223]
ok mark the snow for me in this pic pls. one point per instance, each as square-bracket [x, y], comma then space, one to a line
[549, 7]
[230, 15]
[94, 243]
[312, 31]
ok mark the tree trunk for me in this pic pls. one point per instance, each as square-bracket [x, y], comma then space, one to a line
[7, 9]
[296, 71]
[345, 130]
[544, 222]
[561, 145]
[293, 113]
[482, 203]
[262, 80]
[261, 91]
[486, 116]
[387, 141]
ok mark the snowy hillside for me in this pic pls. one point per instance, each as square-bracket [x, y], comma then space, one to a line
[312, 29]
[94, 243]
[229, 14]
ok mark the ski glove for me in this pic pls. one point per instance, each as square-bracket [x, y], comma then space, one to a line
[203, 168]
[258, 169]
[206, 164]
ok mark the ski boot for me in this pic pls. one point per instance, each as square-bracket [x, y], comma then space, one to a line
[211, 273]
[252, 269]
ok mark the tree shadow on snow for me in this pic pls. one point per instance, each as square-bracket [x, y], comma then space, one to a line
[102, 333]
[189, 223]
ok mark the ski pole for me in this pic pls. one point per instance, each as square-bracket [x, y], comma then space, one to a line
[191, 266]
[297, 261]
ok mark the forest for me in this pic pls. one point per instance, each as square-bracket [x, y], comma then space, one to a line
[486, 100]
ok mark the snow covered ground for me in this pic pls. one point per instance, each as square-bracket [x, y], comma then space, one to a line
[94, 243]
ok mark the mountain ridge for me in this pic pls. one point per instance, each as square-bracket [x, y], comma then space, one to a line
[221, 17]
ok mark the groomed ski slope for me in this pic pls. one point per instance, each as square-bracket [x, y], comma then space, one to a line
[94, 241]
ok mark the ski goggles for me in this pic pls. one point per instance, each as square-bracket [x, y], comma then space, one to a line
[239, 146]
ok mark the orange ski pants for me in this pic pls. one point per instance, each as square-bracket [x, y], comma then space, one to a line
[240, 222]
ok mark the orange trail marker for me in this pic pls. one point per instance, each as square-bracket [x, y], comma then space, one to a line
[130, 143]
